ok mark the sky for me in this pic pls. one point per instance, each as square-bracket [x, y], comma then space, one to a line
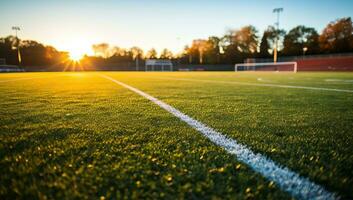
[73, 25]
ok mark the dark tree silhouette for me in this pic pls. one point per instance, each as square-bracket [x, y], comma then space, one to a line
[240, 44]
[33, 53]
[166, 54]
[299, 38]
[136, 52]
[213, 54]
[264, 45]
[233, 47]
[102, 50]
[152, 54]
[7, 49]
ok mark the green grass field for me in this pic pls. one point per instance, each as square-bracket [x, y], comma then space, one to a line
[78, 135]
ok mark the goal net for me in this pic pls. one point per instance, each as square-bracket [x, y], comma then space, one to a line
[2, 61]
[158, 65]
[278, 67]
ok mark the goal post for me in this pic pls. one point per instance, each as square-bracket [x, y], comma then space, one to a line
[268, 66]
[158, 65]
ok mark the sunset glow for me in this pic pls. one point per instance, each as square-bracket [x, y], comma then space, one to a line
[176, 99]
[129, 23]
[76, 55]
[77, 47]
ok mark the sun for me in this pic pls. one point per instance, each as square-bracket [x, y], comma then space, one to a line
[76, 55]
[76, 47]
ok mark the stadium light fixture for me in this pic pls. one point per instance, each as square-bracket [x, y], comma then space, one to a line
[16, 28]
[305, 49]
[278, 11]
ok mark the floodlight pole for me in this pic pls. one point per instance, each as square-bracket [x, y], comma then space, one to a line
[278, 11]
[137, 63]
[16, 28]
[304, 51]
[179, 56]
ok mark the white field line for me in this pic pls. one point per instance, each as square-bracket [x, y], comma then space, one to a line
[339, 80]
[287, 180]
[258, 84]
[29, 78]
[18, 79]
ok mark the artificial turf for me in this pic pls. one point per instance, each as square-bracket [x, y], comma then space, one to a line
[78, 135]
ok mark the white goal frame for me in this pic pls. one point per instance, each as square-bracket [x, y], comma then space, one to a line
[247, 65]
[162, 64]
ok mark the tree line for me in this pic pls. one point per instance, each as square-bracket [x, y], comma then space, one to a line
[234, 46]
[239, 44]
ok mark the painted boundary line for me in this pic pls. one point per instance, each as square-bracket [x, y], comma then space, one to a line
[18, 79]
[29, 78]
[287, 180]
[260, 84]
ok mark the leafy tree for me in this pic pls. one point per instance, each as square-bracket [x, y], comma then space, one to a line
[36, 54]
[213, 55]
[32, 52]
[234, 46]
[245, 39]
[152, 54]
[196, 52]
[101, 50]
[166, 54]
[136, 52]
[337, 36]
[239, 44]
[186, 56]
[199, 49]
[119, 55]
[8, 49]
[272, 35]
[264, 45]
[192, 53]
[117, 51]
[268, 40]
[301, 37]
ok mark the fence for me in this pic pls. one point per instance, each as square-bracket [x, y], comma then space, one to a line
[322, 62]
